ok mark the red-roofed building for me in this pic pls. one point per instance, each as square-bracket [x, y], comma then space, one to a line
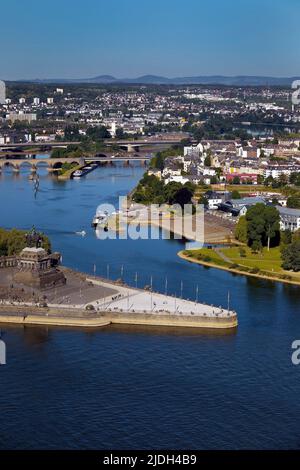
[243, 177]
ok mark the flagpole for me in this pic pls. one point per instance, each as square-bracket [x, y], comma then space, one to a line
[151, 283]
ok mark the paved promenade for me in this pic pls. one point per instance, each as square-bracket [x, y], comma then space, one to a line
[94, 302]
[134, 300]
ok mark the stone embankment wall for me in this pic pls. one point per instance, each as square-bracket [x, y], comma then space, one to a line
[81, 318]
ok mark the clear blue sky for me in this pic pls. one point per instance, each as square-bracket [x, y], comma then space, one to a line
[128, 38]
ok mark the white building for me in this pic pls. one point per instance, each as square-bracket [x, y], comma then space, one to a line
[4, 139]
[44, 137]
[277, 171]
[50, 100]
[193, 150]
[22, 100]
[2, 92]
[113, 129]
[289, 218]
[177, 179]
[171, 172]
[21, 117]
[36, 101]
[213, 201]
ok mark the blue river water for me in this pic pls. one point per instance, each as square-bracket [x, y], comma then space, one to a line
[134, 388]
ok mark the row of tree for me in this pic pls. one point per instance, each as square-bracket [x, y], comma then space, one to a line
[12, 242]
[259, 227]
[151, 190]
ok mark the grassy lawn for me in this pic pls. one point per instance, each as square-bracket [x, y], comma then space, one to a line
[205, 254]
[241, 188]
[265, 261]
[251, 188]
[268, 262]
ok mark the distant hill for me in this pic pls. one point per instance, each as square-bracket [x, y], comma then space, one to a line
[241, 80]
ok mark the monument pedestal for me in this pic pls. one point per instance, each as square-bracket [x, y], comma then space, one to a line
[38, 269]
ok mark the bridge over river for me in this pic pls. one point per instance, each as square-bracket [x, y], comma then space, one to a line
[54, 164]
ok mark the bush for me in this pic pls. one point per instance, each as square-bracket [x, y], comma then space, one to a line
[254, 270]
[234, 266]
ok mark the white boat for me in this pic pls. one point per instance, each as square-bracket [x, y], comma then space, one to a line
[82, 233]
[100, 219]
[77, 174]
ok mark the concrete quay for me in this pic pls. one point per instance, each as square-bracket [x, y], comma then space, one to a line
[120, 305]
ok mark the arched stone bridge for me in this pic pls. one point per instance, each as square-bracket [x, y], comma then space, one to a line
[53, 164]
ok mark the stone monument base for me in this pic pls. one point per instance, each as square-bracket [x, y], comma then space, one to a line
[38, 269]
[41, 280]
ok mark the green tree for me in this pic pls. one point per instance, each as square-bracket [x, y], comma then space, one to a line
[170, 191]
[235, 194]
[207, 160]
[98, 133]
[272, 218]
[283, 180]
[240, 231]
[120, 133]
[183, 196]
[242, 252]
[295, 178]
[203, 200]
[262, 225]
[260, 179]
[13, 241]
[285, 238]
[293, 202]
[296, 235]
[269, 181]
[256, 246]
[72, 133]
[291, 256]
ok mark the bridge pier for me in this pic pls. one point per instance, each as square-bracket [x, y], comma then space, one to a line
[130, 148]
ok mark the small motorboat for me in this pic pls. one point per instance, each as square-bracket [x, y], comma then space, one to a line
[82, 233]
[100, 219]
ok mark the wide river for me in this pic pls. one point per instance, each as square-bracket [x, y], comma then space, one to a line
[136, 388]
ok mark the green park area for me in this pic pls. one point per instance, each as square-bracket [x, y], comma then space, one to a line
[263, 251]
[266, 263]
